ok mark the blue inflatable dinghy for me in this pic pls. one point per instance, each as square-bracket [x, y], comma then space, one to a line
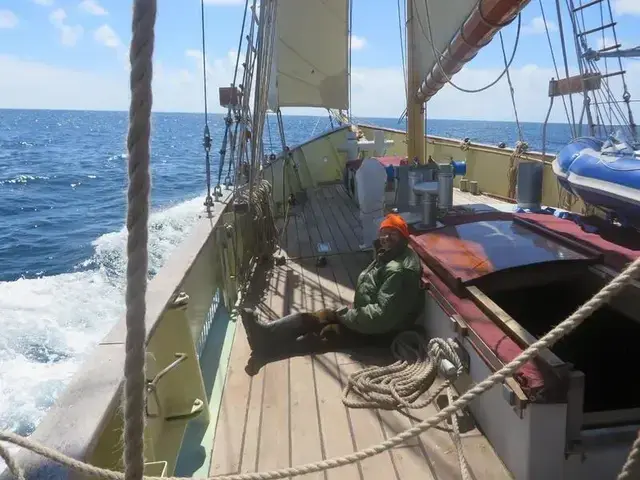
[603, 174]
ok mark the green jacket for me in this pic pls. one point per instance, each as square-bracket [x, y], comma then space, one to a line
[388, 294]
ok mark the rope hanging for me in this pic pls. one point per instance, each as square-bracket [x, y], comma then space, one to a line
[138, 146]
[206, 140]
[229, 137]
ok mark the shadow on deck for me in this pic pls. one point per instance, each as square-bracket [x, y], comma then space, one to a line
[291, 412]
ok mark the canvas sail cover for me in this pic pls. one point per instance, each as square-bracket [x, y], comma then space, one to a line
[446, 19]
[311, 55]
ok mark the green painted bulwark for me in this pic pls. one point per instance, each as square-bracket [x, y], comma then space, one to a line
[195, 455]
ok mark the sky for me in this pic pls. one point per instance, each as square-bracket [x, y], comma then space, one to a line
[73, 54]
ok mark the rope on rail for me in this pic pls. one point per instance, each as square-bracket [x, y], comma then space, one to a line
[565, 327]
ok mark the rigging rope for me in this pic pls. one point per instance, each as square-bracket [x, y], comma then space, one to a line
[404, 68]
[566, 65]
[228, 121]
[555, 64]
[521, 145]
[206, 141]
[586, 103]
[626, 96]
[511, 90]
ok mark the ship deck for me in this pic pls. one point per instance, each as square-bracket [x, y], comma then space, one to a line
[290, 412]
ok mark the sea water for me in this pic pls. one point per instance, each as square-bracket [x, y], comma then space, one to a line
[62, 238]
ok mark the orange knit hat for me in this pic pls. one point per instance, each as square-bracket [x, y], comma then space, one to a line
[397, 222]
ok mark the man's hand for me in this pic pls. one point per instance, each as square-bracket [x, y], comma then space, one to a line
[331, 331]
[326, 316]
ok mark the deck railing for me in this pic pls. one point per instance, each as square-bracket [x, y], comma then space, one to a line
[183, 302]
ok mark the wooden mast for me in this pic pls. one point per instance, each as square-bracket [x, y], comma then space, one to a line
[415, 107]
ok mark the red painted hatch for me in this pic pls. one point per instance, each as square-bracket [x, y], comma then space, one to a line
[470, 246]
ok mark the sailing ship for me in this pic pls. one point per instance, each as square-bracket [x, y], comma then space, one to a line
[506, 257]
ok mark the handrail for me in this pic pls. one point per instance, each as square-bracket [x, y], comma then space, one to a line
[75, 424]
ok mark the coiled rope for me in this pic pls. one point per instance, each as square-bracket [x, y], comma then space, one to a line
[402, 384]
[137, 217]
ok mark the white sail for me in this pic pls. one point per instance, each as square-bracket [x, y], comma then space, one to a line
[311, 55]
[446, 19]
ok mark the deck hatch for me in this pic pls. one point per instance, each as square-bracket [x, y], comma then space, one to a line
[472, 250]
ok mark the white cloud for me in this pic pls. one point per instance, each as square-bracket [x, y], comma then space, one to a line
[376, 92]
[630, 7]
[380, 92]
[106, 36]
[57, 17]
[46, 3]
[92, 7]
[536, 26]
[224, 2]
[358, 43]
[69, 34]
[32, 84]
[604, 43]
[8, 19]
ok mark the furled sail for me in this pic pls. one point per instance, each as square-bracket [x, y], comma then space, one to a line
[446, 19]
[459, 29]
[310, 66]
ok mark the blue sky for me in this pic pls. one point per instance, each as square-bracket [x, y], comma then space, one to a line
[73, 54]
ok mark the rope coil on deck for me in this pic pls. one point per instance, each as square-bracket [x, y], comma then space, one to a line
[401, 384]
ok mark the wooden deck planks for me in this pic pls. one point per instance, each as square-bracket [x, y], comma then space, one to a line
[306, 445]
[291, 411]
[239, 392]
[466, 198]
[333, 418]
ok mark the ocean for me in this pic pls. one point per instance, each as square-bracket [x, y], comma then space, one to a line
[62, 237]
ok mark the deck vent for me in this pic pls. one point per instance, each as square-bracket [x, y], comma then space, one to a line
[427, 192]
[529, 185]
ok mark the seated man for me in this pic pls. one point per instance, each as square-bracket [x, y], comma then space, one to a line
[388, 299]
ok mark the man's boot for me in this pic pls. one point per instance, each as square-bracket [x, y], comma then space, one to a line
[264, 336]
[252, 327]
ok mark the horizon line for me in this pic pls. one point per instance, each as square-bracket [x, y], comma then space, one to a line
[285, 115]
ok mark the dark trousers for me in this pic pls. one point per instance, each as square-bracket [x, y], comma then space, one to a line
[299, 331]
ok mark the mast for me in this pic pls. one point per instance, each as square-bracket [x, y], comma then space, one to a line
[415, 108]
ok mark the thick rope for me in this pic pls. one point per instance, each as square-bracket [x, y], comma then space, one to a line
[631, 468]
[12, 465]
[514, 161]
[561, 330]
[138, 145]
[401, 384]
